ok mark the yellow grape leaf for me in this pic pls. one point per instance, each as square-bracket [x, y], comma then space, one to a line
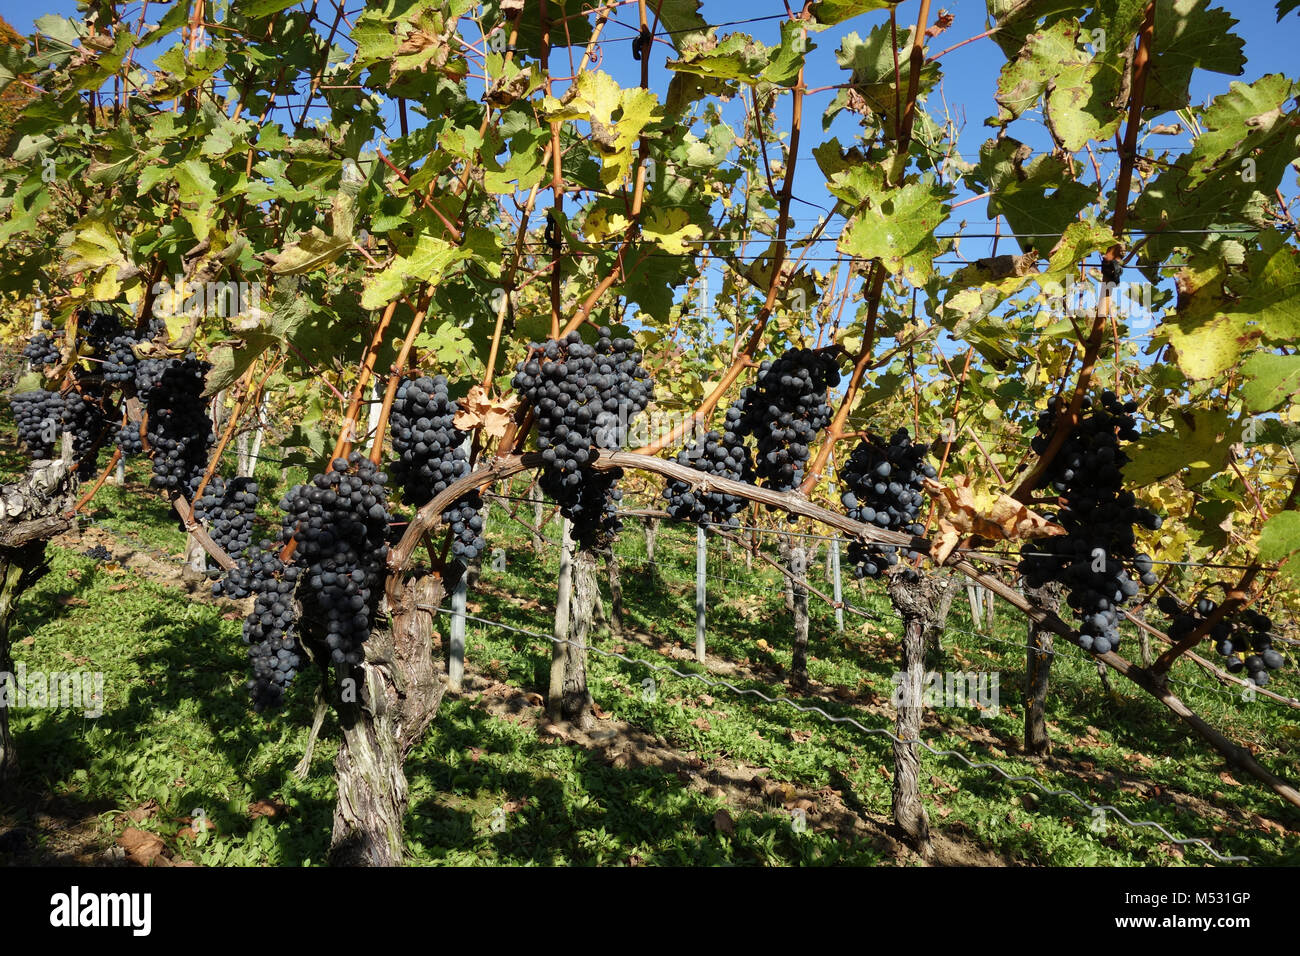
[671, 229]
[601, 223]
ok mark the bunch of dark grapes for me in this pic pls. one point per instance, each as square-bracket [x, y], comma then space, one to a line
[341, 522]
[98, 329]
[882, 486]
[84, 418]
[121, 366]
[41, 349]
[128, 439]
[1091, 559]
[269, 629]
[39, 416]
[120, 361]
[149, 373]
[1244, 639]
[786, 409]
[585, 397]
[179, 431]
[431, 456]
[99, 553]
[228, 510]
[723, 454]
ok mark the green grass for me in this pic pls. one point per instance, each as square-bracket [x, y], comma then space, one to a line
[177, 730]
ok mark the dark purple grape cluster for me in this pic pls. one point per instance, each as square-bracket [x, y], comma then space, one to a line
[97, 327]
[122, 367]
[882, 486]
[1244, 639]
[340, 521]
[431, 455]
[39, 416]
[1093, 557]
[41, 349]
[723, 454]
[128, 439]
[786, 409]
[270, 629]
[98, 553]
[180, 432]
[585, 397]
[149, 374]
[228, 508]
[85, 419]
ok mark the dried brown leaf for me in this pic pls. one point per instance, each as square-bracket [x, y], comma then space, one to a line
[478, 410]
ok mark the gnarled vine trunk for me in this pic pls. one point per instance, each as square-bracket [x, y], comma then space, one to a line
[568, 698]
[396, 695]
[916, 596]
[32, 511]
[615, 590]
[1038, 668]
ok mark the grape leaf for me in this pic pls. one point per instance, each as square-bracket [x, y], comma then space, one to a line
[1227, 179]
[1280, 536]
[831, 12]
[1198, 447]
[737, 57]
[897, 226]
[1212, 331]
[1189, 35]
[870, 62]
[672, 229]
[1270, 380]
[1038, 200]
[313, 250]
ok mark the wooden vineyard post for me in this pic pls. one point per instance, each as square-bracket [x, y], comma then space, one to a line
[701, 572]
[456, 646]
[798, 565]
[837, 584]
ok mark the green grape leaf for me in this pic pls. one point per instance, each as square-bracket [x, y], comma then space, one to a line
[1280, 537]
[897, 225]
[1038, 200]
[1227, 180]
[1211, 332]
[1197, 449]
[1189, 35]
[738, 57]
[198, 195]
[830, 12]
[428, 262]
[1270, 380]
[681, 21]
[870, 62]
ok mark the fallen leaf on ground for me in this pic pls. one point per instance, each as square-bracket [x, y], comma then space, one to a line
[142, 848]
[264, 808]
[723, 823]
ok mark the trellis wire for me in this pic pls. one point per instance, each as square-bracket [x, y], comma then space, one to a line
[1092, 809]
[947, 628]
